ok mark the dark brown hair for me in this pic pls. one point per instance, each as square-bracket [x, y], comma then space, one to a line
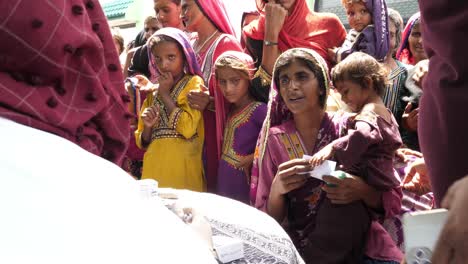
[359, 68]
[306, 59]
[155, 40]
[120, 40]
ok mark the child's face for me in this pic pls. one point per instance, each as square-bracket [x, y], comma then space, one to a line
[151, 27]
[167, 13]
[169, 58]
[233, 84]
[353, 94]
[299, 88]
[358, 16]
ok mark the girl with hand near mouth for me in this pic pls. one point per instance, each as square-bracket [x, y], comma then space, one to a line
[234, 71]
[168, 128]
[369, 30]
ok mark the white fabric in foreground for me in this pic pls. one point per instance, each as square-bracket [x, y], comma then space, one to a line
[62, 204]
[264, 239]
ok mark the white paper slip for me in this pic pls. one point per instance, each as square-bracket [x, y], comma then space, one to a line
[326, 168]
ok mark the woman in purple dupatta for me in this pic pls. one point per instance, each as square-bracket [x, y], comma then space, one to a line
[315, 222]
[286, 136]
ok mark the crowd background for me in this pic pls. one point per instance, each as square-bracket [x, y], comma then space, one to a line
[237, 110]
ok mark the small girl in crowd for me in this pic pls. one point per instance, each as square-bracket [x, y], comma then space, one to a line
[369, 138]
[368, 20]
[234, 71]
[170, 130]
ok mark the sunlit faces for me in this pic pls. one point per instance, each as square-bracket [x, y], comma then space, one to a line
[151, 27]
[233, 84]
[191, 15]
[167, 13]
[415, 41]
[299, 87]
[169, 58]
[358, 16]
[353, 94]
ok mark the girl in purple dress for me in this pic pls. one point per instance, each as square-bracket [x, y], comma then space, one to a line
[234, 71]
[369, 139]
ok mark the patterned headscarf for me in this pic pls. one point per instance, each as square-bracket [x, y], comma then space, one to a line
[60, 72]
[380, 19]
[404, 53]
[216, 12]
[246, 59]
[277, 112]
[181, 38]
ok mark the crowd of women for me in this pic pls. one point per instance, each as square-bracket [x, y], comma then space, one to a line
[248, 117]
[236, 118]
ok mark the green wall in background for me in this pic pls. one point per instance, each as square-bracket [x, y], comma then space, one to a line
[311, 4]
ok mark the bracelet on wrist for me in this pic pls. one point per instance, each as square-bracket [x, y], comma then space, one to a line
[270, 43]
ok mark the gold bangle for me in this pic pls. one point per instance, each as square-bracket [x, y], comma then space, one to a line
[264, 76]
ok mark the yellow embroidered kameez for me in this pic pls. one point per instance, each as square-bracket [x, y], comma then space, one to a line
[174, 156]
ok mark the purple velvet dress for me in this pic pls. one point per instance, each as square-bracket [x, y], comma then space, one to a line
[317, 227]
[367, 148]
[240, 136]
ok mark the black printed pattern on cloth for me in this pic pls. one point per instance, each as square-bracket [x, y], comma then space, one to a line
[258, 247]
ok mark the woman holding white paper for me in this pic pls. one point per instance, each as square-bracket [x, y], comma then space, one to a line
[297, 124]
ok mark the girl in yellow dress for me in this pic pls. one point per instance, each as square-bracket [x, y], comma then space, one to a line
[169, 129]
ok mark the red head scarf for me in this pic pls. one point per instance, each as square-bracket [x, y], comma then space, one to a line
[404, 53]
[302, 29]
[60, 72]
[215, 11]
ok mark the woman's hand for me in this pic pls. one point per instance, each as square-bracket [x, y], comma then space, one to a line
[404, 153]
[198, 100]
[275, 15]
[351, 189]
[288, 178]
[166, 82]
[332, 53]
[422, 68]
[417, 179]
[150, 116]
[143, 84]
[452, 244]
[245, 164]
[322, 155]
[410, 118]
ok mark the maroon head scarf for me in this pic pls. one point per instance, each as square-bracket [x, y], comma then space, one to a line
[60, 72]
